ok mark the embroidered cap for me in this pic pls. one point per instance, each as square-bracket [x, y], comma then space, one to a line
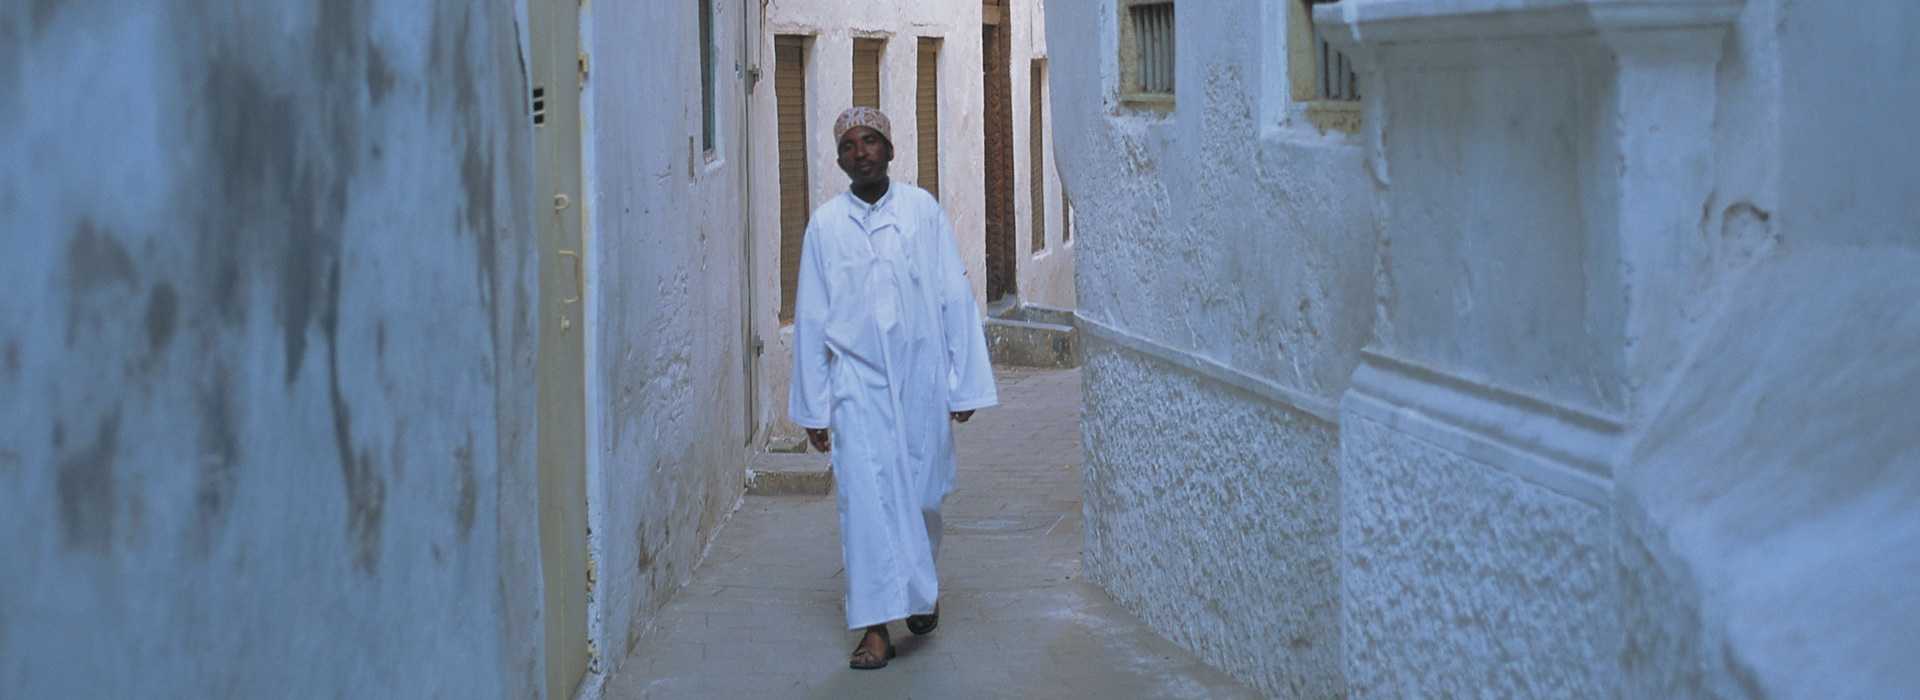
[862, 116]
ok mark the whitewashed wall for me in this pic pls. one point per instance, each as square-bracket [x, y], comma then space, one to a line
[1624, 419]
[1044, 277]
[667, 383]
[266, 368]
[1224, 257]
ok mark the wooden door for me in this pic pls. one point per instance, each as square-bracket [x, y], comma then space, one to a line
[561, 371]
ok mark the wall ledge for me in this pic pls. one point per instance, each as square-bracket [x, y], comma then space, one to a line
[1351, 24]
[1565, 448]
[1292, 399]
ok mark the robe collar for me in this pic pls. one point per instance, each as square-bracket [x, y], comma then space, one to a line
[875, 216]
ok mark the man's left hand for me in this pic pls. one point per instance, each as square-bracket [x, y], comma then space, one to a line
[961, 416]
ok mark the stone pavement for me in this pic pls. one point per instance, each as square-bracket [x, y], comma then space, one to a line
[762, 615]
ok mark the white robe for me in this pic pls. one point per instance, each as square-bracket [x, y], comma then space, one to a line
[887, 341]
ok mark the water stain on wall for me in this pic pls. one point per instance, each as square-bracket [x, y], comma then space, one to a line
[43, 13]
[86, 487]
[217, 472]
[469, 488]
[97, 265]
[163, 308]
[283, 161]
[476, 162]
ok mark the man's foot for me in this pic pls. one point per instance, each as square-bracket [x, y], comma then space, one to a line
[924, 624]
[874, 650]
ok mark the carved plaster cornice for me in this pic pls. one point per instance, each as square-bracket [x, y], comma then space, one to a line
[1350, 25]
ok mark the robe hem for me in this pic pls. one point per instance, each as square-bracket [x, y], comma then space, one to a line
[851, 627]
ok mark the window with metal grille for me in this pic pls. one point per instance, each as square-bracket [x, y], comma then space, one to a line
[708, 129]
[926, 99]
[866, 72]
[1335, 77]
[1153, 46]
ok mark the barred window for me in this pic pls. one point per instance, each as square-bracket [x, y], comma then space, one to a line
[1147, 56]
[1336, 79]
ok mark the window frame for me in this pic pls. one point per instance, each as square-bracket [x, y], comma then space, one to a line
[1304, 72]
[1131, 90]
[709, 81]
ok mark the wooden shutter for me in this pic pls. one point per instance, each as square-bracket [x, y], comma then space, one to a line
[927, 113]
[866, 72]
[790, 98]
[1036, 151]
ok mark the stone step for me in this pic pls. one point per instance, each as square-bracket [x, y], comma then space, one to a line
[1031, 335]
[789, 474]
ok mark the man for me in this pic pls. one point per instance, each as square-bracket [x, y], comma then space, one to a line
[887, 348]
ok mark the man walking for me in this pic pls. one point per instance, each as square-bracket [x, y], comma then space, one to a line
[887, 348]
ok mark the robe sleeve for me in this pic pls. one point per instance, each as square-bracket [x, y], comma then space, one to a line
[809, 397]
[970, 383]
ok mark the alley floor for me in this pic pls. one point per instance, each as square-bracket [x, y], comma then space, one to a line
[762, 615]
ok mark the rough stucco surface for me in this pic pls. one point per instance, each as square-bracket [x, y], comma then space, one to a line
[1218, 229]
[262, 395]
[1213, 517]
[1224, 231]
[669, 267]
[1460, 579]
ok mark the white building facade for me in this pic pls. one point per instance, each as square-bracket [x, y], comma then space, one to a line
[1527, 348]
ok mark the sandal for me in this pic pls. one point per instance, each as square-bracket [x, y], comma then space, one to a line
[863, 660]
[924, 624]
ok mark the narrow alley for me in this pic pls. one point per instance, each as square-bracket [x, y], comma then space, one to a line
[1344, 348]
[762, 616]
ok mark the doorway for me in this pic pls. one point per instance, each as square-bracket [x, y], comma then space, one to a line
[561, 365]
[996, 48]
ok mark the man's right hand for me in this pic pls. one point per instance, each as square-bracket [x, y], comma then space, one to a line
[821, 440]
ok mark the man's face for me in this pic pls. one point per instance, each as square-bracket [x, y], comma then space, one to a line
[864, 155]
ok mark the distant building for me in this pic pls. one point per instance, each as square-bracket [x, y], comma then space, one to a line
[958, 79]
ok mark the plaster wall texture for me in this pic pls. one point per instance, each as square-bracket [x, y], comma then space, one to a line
[1227, 574]
[1766, 534]
[266, 407]
[1567, 222]
[1460, 579]
[668, 275]
[1224, 257]
[1549, 178]
[1768, 541]
[832, 26]
[1690, 437]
